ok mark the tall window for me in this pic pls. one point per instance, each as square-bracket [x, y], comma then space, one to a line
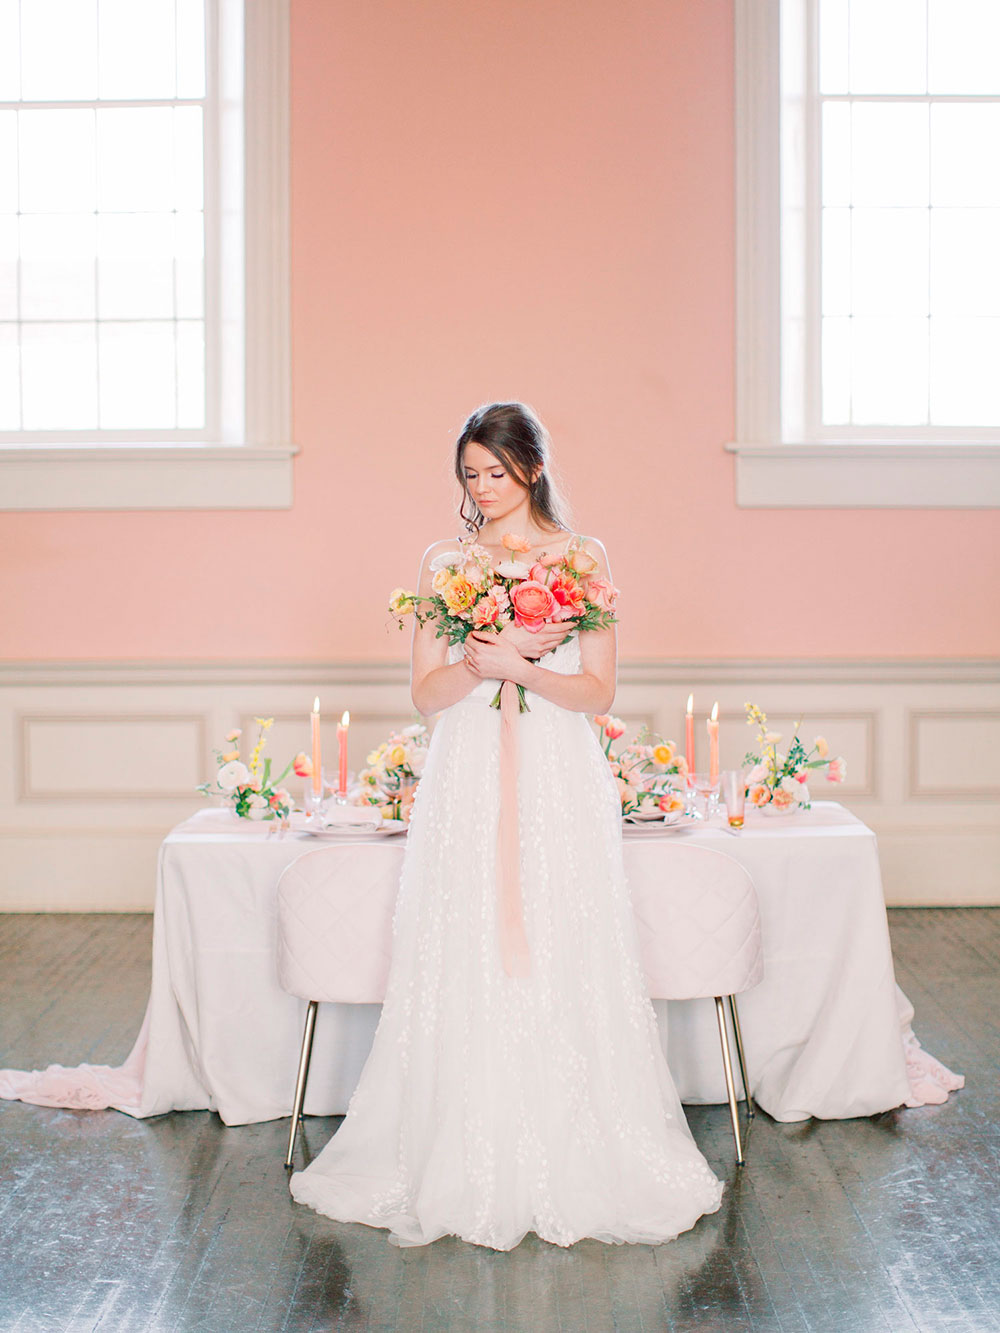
[105, 329]
[909, 111]
[868, 253]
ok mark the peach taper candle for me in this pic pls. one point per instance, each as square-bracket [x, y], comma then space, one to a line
[689, 734]
[317, 754]
[713, 743]
[342, 727]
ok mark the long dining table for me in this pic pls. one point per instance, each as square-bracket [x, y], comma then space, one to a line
[825, 1031]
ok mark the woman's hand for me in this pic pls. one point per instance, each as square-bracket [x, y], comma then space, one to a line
[533, 645]
[493, 657]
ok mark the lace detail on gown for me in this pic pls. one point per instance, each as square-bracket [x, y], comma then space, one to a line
[491, 1106]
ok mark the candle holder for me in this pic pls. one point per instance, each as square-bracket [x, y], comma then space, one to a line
[314, 802]
[703, 795]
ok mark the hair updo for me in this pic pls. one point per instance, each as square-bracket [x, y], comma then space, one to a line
[516, 438]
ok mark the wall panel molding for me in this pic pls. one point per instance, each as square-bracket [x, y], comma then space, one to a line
[918, 737]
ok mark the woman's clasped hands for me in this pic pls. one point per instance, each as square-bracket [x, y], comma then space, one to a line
[504, 656]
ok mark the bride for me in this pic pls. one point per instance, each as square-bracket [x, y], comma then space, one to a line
[499, 1101]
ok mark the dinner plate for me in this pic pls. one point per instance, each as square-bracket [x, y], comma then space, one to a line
[648, 826]
[366, 829]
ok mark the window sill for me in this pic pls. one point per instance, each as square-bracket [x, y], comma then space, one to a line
[154, 476]
[867, 476]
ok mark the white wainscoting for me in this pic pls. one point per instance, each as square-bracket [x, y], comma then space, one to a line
[101, 759]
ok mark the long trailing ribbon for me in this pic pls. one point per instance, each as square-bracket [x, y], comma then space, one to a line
[513, 939]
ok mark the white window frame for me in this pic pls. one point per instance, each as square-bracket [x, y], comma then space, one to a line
[248, 465]
[783, 458]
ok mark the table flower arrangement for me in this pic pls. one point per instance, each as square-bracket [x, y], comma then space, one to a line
[248, 788]
[649, 771]
[778, 781]
[470, 593]
[393, 772]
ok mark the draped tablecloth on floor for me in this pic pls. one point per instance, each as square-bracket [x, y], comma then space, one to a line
[826, 1032]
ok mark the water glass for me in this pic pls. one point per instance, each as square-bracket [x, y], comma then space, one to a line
[734, 795]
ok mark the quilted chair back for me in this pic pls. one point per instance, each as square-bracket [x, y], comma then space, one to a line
[698, 921]
[335, 908]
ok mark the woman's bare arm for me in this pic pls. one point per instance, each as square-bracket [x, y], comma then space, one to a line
[434, 684]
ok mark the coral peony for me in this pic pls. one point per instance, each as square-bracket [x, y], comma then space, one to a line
[836, 770]
[533, 604]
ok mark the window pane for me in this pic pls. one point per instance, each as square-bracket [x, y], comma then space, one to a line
[59, 50]
[135, 267]
[889, 371]
[836, 153]
[889, 154]
[137, 49]
[836, 261]
[833, 46]
[965, 261]
[8, 162]
[8, 266]
[190, 48]
[963, 52]
[191, 374]
[138, 386]
[10, 51]
[189, 189]
[10, 377]
[965, 386]
[889, 261]
[888, 46]
[190, 243]
[57, 372]
[135, 159]
[58, 258]
[836, 371]
[965, 154]
[57, 161]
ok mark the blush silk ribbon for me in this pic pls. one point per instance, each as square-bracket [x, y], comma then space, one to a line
[513, 939]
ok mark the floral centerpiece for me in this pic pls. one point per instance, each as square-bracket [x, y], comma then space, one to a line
[779, 781]
[248, 788]
[393, 772]
[648, 770]
[470, 593]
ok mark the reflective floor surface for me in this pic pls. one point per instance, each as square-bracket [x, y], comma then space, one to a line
[178, 1223]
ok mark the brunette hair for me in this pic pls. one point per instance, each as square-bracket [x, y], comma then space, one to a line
[517, 439]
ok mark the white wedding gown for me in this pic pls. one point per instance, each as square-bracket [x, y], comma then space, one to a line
[491, 1106]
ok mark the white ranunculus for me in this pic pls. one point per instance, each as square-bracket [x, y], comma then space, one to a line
[803, 793]
[257, 807]
[414, 729]
[416, 761]
[757, 774]
[512, 569]
[445, 559]
[232, 775]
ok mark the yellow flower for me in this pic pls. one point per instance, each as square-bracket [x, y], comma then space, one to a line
[264, 722]
[401, 602]
[822, 749]
[459, 594]
[772, 737]
[662, 754]
[395, 756]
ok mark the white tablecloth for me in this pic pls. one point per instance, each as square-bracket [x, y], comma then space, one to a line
[822, 1031]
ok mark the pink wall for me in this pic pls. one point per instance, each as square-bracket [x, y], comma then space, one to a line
[519, 198]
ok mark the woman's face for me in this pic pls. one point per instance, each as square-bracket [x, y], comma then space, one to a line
[492, 487]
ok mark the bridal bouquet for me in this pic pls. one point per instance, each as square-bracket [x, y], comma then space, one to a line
[470, 593]
[393, 773]
[648, 770]
[779, 780]
[249, 788]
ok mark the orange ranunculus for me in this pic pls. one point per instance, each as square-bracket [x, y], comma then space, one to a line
[512, 542]
[459, 594]
[533, 604]
[759, 795]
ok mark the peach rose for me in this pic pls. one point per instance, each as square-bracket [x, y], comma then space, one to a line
[603, 593]
[302, 765]
[783, 799]
[836, 770]
[511, 542]
[533, 604]
[547, 560]
[582, 562]
[759, 795]
[670, 803]
[233, 735]
[539, 573]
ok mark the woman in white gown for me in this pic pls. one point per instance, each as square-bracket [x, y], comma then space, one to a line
[492, 1105]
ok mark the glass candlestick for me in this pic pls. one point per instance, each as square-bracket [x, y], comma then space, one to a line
[314, 802]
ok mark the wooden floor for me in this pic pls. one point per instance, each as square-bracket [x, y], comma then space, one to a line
[178, 1223]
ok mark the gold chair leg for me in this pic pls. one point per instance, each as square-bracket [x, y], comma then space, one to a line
[741, 1056]
[727, 1065]
[300, 1082]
